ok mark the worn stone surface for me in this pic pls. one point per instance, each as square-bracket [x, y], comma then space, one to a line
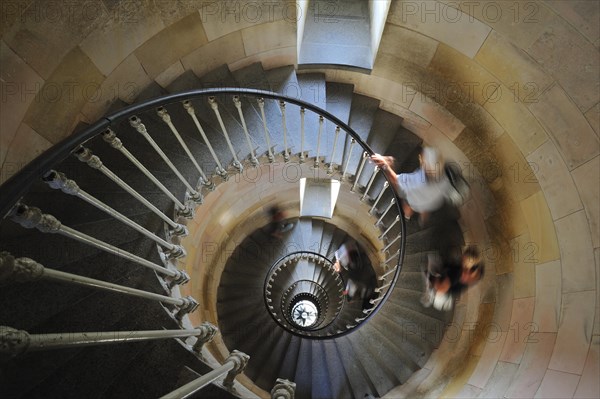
[516, 119]
[555, 180]
[226, 49]
[476, 83]
[48, 31]
[516, 69]
[521, 22]
[26, 145]
[19, 85]
[110, 44]
[171, 44]
[541, 228]
[593, 118]
[499, 381]
[432, 112]
[548, 298]
[519, 330]
[441, 22]
[408, 45]
[268, 37]
[574, 137]
[533, 367]
[582, 14]
[56, 106]
[523, 252]
[222, 18]
[574, 332]
[166, 77]
[579, 76]
[125, 83]
[557, 384]
[589, 384]
[576, 252]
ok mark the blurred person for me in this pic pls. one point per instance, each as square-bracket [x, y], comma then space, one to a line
[357, 273]
[278, 224]
[422, 191]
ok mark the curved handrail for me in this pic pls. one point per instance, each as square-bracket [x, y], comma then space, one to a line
[16, 186]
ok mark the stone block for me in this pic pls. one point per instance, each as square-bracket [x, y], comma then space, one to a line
[574, 332]
[579, 76]
[110, 44]
[56, 106]
[541, 228]
[521, 22]
[593, 118]
[524, 78]
[499, 381]
[589, 384]
[268, 37]
[576, 252]
[438, 116]
[222, 18]
[516, 119]
[46, 32]
[557, 384]
[476, 83]
[523, 252]
[555, 180]
[25, 146]
[548, 298]
[518, 333]
[166, 77]
[125, 83]
[441, 22]
[171, 44]
[586, 180]
[224, 50]
[573, 135]
[581, 14]
[533, 367]
[407, 44]
[19, 85]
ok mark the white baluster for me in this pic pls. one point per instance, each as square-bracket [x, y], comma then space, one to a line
[286, 154]
[238, 105]
[360, 168]
[335, 139]
[302, 114]
[317, 158]
[261, 106]
[392, 202]
[352, 142]
[215, 107]
[385, 186]
[371, 180]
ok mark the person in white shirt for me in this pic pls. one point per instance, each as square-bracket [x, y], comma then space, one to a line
[424, 190]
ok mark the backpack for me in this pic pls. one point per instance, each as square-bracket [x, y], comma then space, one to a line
[460, 188]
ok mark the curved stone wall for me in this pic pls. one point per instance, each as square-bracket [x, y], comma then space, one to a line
[510, 90]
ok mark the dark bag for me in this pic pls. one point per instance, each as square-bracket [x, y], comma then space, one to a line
[460, 191]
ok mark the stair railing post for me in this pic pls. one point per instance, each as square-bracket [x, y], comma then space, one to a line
[233, 365]
[331, 165]
[396, 220]
[240, 360]
[391, 243]
[371, 180]
[320, 131]
[385, 186]
[208, 333]
[261, 106]
[24, 270]
[186, 210]
[238, 105]
[166, 118]
[352, 142]
[187, 104]
[392, 202]
[360, 168]
[32, 217]
[86, 156]
[137, 124]
[286, 154]
[59, 181]
[283, 389]
[215, 107]
[302, 115]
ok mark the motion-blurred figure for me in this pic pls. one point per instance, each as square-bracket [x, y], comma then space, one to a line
[278, 224]
[357, 273]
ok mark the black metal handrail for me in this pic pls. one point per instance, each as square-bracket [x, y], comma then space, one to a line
[19, 184]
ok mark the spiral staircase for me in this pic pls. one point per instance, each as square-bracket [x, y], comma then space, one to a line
[345, 351]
